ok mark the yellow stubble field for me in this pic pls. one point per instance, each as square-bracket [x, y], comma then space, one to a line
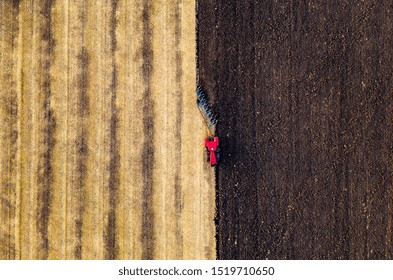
[101, 143]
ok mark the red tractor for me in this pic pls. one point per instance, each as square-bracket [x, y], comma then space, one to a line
[213, 152]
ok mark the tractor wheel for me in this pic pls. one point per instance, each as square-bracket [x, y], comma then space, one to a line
[208, 156]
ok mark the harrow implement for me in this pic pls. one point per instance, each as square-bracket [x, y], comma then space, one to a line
[203, 106]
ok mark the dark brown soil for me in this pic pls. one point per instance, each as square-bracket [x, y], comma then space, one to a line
[304, 94]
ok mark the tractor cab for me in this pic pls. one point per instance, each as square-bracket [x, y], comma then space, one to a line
[213, 152]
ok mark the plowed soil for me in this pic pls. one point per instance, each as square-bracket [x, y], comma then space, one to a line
[305, 98]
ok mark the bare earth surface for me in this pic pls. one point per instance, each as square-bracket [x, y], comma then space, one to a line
[305, 97]
[101, 144]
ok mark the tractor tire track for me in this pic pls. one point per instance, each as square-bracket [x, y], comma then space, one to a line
[178, 127]
[9, 134]
[147, 154]
[48, 130]
[111, 243]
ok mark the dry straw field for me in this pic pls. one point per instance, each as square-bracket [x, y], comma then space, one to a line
[101, 142]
